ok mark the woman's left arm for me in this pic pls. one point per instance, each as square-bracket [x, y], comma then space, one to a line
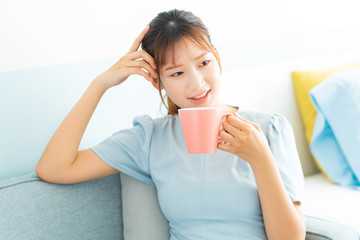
[283, 218]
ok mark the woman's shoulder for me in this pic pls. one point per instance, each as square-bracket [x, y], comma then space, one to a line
[147, 120]
[157, 127]
[266, 121]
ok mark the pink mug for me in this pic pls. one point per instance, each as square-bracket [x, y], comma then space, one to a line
[201, 128]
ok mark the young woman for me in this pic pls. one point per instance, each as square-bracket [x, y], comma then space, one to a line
[251, 188]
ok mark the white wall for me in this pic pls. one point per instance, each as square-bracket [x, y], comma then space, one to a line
[260, 43]
[41, 32]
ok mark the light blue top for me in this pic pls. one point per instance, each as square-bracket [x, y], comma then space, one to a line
[204, 196]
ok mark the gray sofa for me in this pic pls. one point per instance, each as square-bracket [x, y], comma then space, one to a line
[33, 103]
[33, 209]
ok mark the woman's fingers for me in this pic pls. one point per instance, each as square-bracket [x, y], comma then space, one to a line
[249, 122]
[135, 62]
[138, 40]
[144, 55]
[238, 123]
[141, 72]
[225, 136]
[242, 123]
[225, 147]
[144, 65]
[242, 118]
[230, 129]
[140, 60]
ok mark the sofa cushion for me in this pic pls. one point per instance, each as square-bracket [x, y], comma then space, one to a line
[33, 209]
[331, 202]
[320, 229]
[143, 218]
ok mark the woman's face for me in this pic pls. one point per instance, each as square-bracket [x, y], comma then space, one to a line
[193, 80]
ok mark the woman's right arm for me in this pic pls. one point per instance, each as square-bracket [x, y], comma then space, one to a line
[61, 161]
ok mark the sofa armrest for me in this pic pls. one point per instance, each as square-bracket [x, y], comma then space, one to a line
[320, 229]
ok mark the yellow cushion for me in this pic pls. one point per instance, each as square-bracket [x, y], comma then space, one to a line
[304, 81]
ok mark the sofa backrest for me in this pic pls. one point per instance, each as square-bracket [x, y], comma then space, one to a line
[32, 209]
[33, 103]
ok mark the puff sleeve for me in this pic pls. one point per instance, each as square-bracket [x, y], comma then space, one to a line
[128, 150]
[282, 144]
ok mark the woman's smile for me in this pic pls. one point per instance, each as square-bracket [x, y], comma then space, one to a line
[198, 83]
[201, 98]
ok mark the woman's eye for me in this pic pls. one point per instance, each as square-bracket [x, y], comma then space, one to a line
[177, 74]
[204, 63]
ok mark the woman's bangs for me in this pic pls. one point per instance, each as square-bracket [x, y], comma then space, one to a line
[200, 38]
[162, 51]
[165, 48]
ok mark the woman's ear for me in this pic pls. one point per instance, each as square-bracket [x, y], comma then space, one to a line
[158, 85]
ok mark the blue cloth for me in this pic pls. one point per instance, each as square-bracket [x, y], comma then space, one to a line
[204, 196]
[335, 141]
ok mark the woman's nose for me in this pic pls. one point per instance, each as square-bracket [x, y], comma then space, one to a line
[196, 80]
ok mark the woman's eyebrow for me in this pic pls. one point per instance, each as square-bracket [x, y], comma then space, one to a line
[179, 65]
[172, 67]
[201, 55]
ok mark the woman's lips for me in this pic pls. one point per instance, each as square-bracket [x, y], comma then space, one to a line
[201, 95]
[201, 99]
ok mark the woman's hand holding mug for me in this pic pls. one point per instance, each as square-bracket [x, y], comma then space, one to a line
[244, 139]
